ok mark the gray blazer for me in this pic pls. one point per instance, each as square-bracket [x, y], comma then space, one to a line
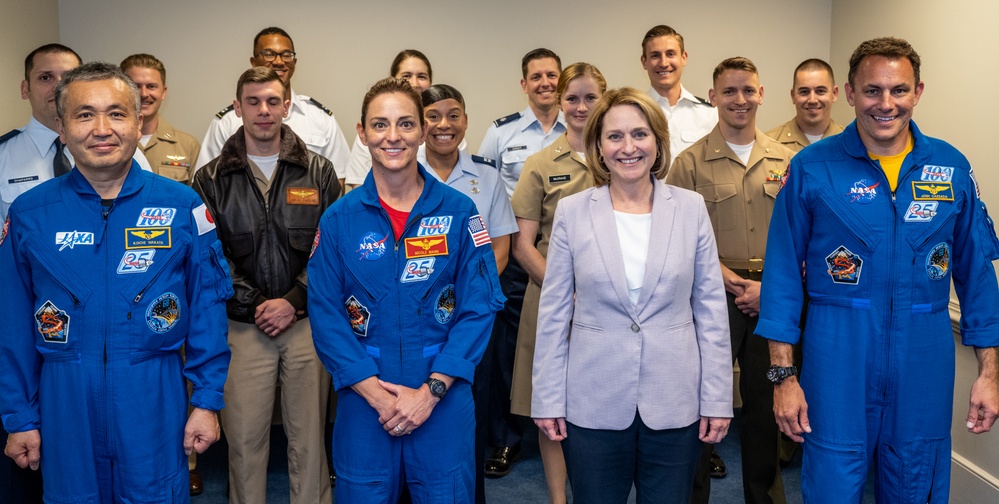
[669, 357]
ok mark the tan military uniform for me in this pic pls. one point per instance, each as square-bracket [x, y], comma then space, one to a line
[172, 153]
[791, 136]
[548, 176]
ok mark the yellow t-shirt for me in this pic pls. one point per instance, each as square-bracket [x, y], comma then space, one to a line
[892, 165]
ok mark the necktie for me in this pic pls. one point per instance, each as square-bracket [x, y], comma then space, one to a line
[60, 163]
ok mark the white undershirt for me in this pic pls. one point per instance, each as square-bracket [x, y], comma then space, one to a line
[634, 232]
[582, 155]
[145, 139]
[267, 164]
[742, 151]
[813, 138]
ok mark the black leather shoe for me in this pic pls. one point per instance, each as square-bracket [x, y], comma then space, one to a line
[501, 462]
[196, 484]
[717, 466]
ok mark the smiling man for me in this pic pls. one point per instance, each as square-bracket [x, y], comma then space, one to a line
[689, 117]
[738, 170]
[269, 191]
[309, 119]
[171, 152]
[813, 93]
[107, 272]
[884, 219]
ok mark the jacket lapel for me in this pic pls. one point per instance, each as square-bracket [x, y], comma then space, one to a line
[663, 218]
[605, 232]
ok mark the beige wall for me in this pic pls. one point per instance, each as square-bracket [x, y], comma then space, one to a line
[476, 46]
[24, 26]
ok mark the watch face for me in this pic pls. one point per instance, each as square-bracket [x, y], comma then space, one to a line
[437, 387]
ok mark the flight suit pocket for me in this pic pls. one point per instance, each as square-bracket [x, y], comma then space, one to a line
[908, 468]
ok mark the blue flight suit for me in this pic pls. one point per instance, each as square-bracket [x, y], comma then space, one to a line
[878, 344]
[99, 301]
[401, 310]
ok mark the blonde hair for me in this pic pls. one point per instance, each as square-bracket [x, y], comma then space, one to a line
[575, 71]
[595, 125]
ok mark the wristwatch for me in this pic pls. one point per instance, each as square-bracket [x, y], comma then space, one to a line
[777, 374]
[437, 387]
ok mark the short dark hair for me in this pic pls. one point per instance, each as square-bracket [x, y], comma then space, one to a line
[404, 55]
[272, 30]
[95, 71]
[813, 64]
[735, 63]
[143, 60]
[440, 92]
[390, 85]
[257, 75]
[539, 53]
[29, 61]
[888, 47]
[661, 31]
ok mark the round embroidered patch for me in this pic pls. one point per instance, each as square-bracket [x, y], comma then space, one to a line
[163, 313]
[938, 262]
[445, 304]
[372, 246]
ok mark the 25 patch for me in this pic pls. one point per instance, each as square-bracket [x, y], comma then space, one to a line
[148, 237]
[426, 247]
[156, 216]
[136, 261]
[434, 226]
[418, 270]
[941, 191]
[921, 211]
[53, 323]
[844, 266]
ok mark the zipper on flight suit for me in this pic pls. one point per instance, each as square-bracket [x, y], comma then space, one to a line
[395, 259]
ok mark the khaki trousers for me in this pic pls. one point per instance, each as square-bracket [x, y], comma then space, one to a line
[260, 363]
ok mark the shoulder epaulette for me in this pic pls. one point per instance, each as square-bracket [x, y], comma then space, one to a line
[703, 101]
[224, 112]
[503, 120]
[10, 134]
[483, 160]
[321, 106]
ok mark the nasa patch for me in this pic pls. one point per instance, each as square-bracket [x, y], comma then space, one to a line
[358, 315]
[931, 173]
[921, 211]
[844, 266]
[434, 226]
[372, 246]
[156, 216]
[863, 191]
[445, 304]
[418, 270]
[70, 239]
[53, 323]
[163, 313]
[136, 261]
[938, 262]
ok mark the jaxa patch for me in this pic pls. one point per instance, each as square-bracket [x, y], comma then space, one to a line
[372, 246]
[71, 239]
[148, 237]
[203, 218]
[921, 211]
[5, 230]
[418, 270]
[931, 173]
[163, 313]
[863, 191]
[844, 266]
[941, 191]
[53, 323]
[426, 247]
[136, 261]
[445, 304]
[315, 244]
[358, 315]
[434, 226]
[938, 262]
[156, 216]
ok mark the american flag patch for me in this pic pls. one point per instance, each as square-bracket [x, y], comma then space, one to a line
[477, 228]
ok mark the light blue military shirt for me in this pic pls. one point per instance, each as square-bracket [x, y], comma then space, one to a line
[512, 139]
[478, 179]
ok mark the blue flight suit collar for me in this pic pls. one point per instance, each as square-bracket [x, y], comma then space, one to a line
[854, 146]
[134, 182]
[430, 198]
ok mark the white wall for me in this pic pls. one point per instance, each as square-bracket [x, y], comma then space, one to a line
[24, 26]
[344, 47]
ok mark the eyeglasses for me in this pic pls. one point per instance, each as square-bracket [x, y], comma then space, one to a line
[269, 55]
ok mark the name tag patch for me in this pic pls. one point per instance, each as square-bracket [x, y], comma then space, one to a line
[418, 270]
[844, 266]
[558, 179]
[136, 261]
[933, 173]
[426, 247]
[156, 216]
[434, 226]
[942, 191]
[20, 180]
[921, 211]
[302, 196]
[70, 239]
[149, 237]
[52, 323]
